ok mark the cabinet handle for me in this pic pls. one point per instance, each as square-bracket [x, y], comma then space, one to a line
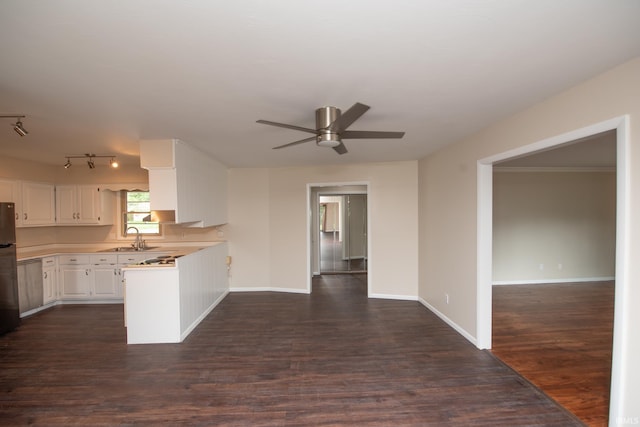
[17, 216]
[86, 272]
[25, 215]
[45, 274]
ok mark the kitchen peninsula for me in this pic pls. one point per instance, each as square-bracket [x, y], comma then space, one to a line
[164, 302]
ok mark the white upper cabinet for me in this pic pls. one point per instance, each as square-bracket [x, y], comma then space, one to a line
[185, 180]
[35, 202]
[84, 205]
[11, 191]
[38, 204]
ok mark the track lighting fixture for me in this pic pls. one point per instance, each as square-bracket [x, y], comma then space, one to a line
[17, 126]
[90, 160]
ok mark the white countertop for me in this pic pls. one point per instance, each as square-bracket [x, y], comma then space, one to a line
[27, 254]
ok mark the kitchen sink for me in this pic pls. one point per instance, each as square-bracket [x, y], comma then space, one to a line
[128, 249]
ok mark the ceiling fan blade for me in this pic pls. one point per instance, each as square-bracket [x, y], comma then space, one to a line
[283, 125]
[295, 142]
[369, 134]
[348, 117]
[340, 149]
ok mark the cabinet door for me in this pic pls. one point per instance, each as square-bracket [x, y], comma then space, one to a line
[49, 285]
[38, 204]
[88, 199]
[105, 281]
[66, 211]
[75, 281]
[10, 192]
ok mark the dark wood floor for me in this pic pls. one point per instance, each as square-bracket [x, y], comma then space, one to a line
[559, 336]
[273, 359]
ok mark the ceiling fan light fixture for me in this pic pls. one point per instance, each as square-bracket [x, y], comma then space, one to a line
[328, 140]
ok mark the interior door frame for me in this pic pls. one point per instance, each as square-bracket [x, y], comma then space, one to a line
[313, 226]
[484, 282]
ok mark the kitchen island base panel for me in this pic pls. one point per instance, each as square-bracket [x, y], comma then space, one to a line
[164, 304]
[153, 306]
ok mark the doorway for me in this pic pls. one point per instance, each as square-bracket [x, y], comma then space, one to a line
[343, 233]
[621, 326]
[343, 222]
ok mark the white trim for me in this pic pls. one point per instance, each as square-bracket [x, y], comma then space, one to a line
[498, 169]
[621, 324]
[394, 297]
[449, 322]
[484, 258]
[577, 280]
[269, 289]
[311, 228]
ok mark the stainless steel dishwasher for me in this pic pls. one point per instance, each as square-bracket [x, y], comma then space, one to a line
[30, 293]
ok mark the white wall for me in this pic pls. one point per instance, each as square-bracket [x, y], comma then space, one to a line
[553, 226]
[268, 231]
[448, 206]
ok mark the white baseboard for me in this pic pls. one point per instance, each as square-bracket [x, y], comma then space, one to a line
[75, 301]
[449, 322]
[546, 281]
[394, 297]
[268, 289]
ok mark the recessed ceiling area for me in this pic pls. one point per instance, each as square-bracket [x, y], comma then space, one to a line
[99, 76]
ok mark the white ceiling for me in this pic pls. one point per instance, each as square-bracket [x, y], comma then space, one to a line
[97, 76]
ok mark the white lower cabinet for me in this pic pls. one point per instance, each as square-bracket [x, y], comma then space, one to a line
[106, 277]
[49, 279]
[75, 276]
[87, 276]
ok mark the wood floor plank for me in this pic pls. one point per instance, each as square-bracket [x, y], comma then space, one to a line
[559, 336]
[331, 358]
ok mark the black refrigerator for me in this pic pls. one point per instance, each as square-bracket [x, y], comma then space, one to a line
[9, 308]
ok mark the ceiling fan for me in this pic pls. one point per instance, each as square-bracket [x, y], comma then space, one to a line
[331, 128]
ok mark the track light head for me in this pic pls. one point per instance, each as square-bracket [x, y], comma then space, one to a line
[17, 126]
[91, 164]
[68, 164]
[114, 163]
[20, 130]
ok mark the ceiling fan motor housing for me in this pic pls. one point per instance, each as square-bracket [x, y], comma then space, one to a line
[325, 116]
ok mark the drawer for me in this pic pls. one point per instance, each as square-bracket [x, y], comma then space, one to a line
[73, 259]
[126, 259]
[49, 261]
[106, 259]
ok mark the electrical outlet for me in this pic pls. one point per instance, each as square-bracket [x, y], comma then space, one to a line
[446, 298]
[559, 266]
[541, 266]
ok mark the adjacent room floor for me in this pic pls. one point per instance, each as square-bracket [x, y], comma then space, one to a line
[559, 336]
[334, 357]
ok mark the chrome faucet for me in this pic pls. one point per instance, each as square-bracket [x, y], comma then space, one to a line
[139, 244]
